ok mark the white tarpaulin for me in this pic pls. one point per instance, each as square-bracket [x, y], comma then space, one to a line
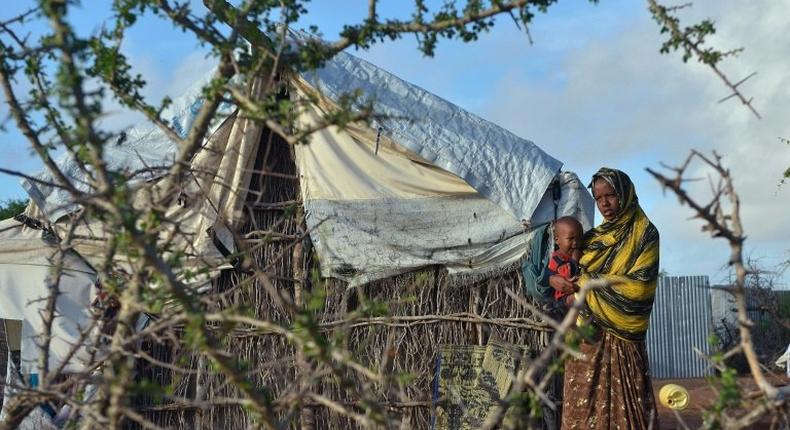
[28, 261]
[374, 213]
[142, 150]
[508, 170]
[210, 201]
[465, 166]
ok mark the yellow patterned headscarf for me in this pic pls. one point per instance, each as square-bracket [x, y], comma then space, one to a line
[623, 251]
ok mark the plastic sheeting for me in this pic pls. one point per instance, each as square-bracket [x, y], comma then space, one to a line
[28, 260]
[374, 212]
[508, 170]
[464, 165]
[210, 201]
[471, 183]
[143, 150]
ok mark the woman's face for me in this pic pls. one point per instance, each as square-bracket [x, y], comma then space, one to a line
[606, 199]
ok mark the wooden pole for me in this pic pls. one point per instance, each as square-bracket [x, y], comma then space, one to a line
[298, 262]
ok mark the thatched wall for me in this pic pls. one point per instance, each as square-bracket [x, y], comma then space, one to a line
[446, 309]
[3, 360]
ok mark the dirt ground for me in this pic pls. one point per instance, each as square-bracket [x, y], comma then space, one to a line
[702, 395]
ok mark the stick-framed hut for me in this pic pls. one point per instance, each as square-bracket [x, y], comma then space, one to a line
[427, 210]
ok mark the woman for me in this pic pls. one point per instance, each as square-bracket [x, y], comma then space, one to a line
[609, 387]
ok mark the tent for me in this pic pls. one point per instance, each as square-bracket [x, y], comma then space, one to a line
[425, 185]
[29, 265]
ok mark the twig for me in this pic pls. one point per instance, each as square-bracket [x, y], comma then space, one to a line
[670, 23]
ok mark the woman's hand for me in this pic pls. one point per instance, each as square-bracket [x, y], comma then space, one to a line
[565, 286]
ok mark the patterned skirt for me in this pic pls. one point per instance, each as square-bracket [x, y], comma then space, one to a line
[609, 388]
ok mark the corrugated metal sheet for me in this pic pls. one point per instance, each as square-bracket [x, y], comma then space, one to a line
[681, 321]
[722, 305]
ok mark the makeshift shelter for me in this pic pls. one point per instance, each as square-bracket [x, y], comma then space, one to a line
[430, 202]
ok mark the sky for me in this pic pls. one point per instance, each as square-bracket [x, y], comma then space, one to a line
[592, 90]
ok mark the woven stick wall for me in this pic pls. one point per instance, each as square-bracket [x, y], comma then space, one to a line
[425, 309]
[3, 360]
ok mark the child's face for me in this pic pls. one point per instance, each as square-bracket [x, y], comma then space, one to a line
[568, 238]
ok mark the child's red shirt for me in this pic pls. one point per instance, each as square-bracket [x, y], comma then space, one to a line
[562, 264]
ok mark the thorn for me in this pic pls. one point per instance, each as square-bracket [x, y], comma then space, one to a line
[378, 138]
[744, 79]
[515, 21]
[727, 98]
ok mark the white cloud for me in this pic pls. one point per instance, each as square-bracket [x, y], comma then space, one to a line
[160, 82]
[194, 67]
[616, 101]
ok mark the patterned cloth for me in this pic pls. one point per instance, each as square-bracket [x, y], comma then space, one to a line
[609, 387]
[470, 382]
[623, 251]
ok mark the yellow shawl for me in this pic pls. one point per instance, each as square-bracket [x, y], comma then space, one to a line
[623, 251]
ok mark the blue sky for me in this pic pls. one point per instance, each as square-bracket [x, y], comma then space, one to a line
[592, 90]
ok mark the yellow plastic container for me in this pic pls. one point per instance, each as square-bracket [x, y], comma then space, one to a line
[674, 396]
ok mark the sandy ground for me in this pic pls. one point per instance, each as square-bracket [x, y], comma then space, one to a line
[702, 395]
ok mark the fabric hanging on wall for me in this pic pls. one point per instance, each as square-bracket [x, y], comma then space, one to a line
[472, 380]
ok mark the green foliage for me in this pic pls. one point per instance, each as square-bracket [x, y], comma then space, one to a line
[11, 208]
[156, 392]
[450, 21]
[783, 307]
[316, 299]
[581, 333]
[729, 393]
[691, 39]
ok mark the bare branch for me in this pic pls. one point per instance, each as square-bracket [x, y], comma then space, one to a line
[670, 23]
[727, 226]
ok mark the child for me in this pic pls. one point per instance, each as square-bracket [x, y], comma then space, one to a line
[564, 261]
